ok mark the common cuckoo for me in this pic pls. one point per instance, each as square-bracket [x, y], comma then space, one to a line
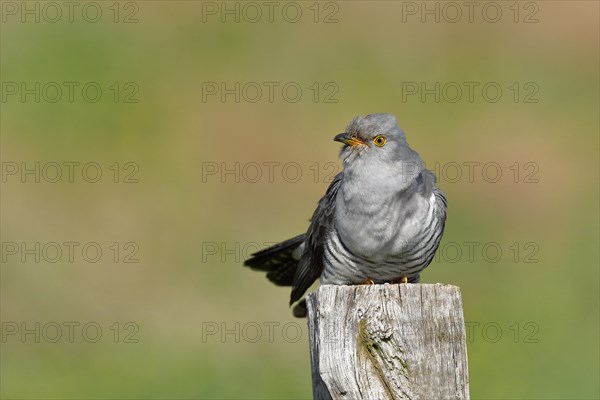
[380, 221]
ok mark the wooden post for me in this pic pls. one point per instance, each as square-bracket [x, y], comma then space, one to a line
[402, 341]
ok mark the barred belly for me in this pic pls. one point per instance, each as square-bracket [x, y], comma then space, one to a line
[407, 254]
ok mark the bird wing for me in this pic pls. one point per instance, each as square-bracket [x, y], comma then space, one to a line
[427, 182]
[442, 205]
[311, 264]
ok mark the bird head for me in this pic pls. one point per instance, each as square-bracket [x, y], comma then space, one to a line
[376, 141]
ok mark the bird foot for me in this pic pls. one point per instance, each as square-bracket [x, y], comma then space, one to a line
[402, 279]
[368, 281]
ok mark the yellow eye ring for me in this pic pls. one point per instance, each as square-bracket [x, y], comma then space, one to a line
[379, 140]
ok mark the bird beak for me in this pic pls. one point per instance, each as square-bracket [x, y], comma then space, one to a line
[348, 140]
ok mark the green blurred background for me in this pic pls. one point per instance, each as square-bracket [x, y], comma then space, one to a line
[208, 328]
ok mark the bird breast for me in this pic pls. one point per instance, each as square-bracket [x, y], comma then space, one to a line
[382, 224]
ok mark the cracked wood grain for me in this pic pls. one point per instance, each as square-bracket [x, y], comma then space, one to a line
[404, 341]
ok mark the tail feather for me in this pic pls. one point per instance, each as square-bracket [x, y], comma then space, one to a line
[279, 261]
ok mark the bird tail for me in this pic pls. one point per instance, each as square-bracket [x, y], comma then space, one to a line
[280, 261]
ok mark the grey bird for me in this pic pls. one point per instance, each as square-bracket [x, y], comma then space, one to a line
[380, 221]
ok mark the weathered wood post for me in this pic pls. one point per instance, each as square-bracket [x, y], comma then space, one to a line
[402, 341]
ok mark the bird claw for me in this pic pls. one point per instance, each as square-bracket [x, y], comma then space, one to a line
[368, 281]
[402, 279]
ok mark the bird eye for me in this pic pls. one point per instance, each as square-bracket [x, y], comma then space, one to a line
[379, 140]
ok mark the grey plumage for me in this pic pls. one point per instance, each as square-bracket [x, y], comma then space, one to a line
[381, 219]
